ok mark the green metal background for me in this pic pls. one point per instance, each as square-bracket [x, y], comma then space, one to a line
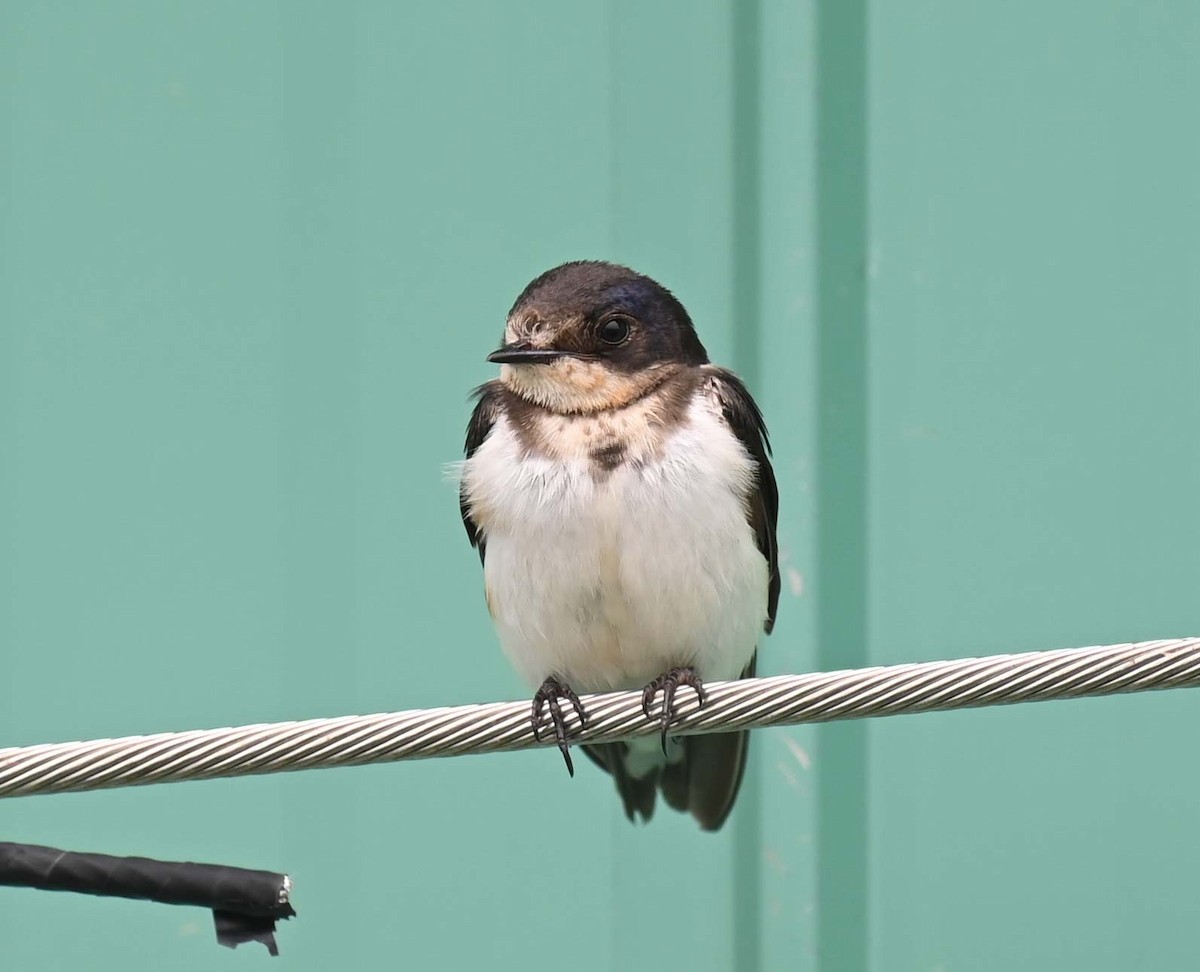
[251, 258]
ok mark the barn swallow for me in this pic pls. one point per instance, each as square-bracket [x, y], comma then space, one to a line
[618, 489]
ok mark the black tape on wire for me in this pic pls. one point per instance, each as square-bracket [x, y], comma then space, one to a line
[245, 904]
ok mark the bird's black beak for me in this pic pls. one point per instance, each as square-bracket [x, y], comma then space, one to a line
[520, 352]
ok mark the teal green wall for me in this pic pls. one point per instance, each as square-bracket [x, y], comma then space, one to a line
[251, 259]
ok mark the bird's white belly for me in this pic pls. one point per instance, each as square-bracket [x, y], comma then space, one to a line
[608, 580]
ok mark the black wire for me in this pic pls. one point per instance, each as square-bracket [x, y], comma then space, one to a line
[245, 903]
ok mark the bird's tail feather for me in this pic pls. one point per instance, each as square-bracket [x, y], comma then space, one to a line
[704, 782]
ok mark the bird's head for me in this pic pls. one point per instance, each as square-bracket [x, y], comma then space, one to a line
[590, 336]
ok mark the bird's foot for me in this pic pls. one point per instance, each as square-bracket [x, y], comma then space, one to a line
[547, 697]
[668, 683]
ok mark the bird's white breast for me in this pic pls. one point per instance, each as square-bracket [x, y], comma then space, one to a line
[607, 578]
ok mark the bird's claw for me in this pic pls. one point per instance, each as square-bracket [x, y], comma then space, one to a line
[547, 697]
[668, 683]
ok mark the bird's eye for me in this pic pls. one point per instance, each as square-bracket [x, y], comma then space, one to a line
[614, 331]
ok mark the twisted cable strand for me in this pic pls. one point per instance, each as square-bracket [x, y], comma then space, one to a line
[502, 726]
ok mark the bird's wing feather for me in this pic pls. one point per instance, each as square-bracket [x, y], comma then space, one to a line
[487, 407]
[762, 512]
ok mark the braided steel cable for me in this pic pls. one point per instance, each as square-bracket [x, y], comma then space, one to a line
[457, 731]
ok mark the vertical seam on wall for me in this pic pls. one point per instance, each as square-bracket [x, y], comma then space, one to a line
[841, 219]
[746, 234]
